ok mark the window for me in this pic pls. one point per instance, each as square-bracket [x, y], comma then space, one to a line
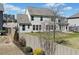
[32, 18]
[28, 26]
[58, 20]
[41, 19]
[39, 27]
[36, 27]
[33, 27]
[60, 27]
[47, 27]
[66, 27]
[51, 27]
[1, 11]
[23, 27]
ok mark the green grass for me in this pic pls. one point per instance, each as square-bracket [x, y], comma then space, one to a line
[58, 35]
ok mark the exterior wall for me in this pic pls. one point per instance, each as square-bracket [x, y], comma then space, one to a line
[73, 22]
[63, 28]
[1, 16]
[26, 29]
[1, 19]
[36, 21]
[46, 21]
[10, 25]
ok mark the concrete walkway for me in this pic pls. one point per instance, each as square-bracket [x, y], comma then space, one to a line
[10, 49]
[7, 47]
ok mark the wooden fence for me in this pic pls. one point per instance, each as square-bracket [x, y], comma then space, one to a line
[34, 42]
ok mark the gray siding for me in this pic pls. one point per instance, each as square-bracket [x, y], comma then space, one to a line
[1, 19]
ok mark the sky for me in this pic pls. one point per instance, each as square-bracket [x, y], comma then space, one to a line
[66, 9]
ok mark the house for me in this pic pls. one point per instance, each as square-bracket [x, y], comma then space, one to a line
[24, 25]
[9, 22]
[40, 20]
[1, 16]
[73, 22]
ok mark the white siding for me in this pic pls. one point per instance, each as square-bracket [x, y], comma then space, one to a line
[10, 25]
[73, 22]
[26, 29]
[37, 21]
[46, 19]
[43, 23]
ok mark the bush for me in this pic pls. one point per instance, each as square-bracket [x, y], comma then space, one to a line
[62, 42]
[28, 50]
[16, 36]
[38, 51]
[22, 41]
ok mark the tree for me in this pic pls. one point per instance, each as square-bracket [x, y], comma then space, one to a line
[47, 44]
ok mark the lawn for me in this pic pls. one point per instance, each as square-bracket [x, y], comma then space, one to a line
[71, 39]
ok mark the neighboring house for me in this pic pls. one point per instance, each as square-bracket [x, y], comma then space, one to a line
[38, 20]
[24, 25]
[73, 22]
[1, 16]
[9, 22]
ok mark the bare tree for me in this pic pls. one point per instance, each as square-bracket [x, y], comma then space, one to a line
[48, 44]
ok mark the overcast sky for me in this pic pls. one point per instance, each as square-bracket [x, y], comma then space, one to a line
[68, 9]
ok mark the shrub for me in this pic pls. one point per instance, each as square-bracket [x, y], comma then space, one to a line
[31, 31]
[16, 36]
[38, 51]
[62, 42]
[22, 41]
[28, 50]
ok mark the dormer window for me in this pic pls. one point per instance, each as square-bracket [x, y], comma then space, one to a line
[41, 19]
[32, 18]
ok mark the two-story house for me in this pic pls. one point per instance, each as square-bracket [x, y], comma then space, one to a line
[39, 20]
[1, 16]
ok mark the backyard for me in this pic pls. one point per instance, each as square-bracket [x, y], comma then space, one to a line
[67, 39]
[7, 47]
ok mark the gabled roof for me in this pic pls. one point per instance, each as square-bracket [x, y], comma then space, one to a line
[74, 16]
[1, 7]
[40, 11]
[23, 19]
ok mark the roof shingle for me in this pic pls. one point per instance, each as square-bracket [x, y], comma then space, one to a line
[40, 11]
[74, 16]
[23, 19]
